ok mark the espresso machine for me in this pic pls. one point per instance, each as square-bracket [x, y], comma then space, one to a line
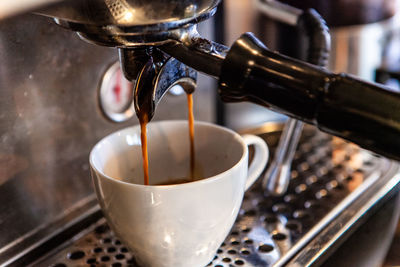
[56, 93]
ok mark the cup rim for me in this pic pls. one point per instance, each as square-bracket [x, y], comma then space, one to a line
[220, 175]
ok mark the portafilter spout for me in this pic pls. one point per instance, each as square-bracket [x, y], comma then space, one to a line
[154, 73]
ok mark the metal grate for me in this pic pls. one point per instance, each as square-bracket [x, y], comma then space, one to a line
[328, 176]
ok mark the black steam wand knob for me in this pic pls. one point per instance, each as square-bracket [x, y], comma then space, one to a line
[365, 113]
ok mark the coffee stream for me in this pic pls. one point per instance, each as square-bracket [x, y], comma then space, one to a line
[143, 119]
[143, 137]
[191, 134]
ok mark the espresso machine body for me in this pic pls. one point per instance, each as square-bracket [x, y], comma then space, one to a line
[51, 115]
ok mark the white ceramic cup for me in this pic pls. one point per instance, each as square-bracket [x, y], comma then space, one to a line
[180, 224]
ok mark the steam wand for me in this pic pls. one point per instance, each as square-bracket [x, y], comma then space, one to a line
[312, 28]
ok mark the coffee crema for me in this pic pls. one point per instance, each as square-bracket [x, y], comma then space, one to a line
[143, 120]
[176, 181]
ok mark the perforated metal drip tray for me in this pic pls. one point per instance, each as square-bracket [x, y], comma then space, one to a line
[334, 186]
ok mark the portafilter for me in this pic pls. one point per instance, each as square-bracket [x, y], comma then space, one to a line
[149, 33]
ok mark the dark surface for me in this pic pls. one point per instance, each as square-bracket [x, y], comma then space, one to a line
[393, 255]
[368, 246]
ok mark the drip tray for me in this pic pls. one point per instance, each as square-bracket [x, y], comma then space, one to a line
[334, 187]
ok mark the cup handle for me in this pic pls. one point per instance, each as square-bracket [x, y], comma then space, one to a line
[261, 154]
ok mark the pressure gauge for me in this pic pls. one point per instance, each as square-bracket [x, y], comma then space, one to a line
[116, 95]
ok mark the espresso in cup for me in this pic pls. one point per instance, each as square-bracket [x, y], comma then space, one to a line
[174, 221]
[177, 181]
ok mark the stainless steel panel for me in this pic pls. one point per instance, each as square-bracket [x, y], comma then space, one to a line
[48, 120]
